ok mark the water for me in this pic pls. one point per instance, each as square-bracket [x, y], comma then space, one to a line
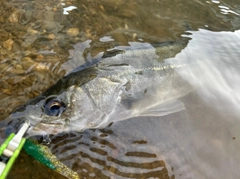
[40, 43]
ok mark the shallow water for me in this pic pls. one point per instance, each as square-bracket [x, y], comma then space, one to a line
[42, 41]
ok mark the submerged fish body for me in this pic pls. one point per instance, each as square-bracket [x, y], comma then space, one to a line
[136, 82]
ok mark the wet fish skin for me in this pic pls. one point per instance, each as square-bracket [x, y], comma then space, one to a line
[134, 83]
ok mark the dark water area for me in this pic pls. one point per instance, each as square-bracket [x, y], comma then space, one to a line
[42, 41]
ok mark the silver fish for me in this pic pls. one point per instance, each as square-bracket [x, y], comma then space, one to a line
[134, 82]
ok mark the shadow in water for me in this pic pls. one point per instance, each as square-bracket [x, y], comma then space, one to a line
[109, 153]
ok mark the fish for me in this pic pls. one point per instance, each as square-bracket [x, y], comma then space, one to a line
[125, 82]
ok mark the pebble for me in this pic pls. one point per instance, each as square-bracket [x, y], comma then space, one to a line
[18, 67]
[51, 36]
[32, 32]
[54, 9]
[20, 27]
[27, 52]
[17, 71]
[3, 51]
[2, 110]
[27, 82]
[42, 66]
[16, 47]
[73, 32]
[27, 63]
[134, 35]
[49, 16]
[48, 8]
[27, 16]
[10, 81]
[26, 59]
[92, 11]
[8, 44]
[6, 91]
[3, 34]
[18, 79]
[40, 58]
[102, 7]
[4, 66]
[14, 17]
[1, 19]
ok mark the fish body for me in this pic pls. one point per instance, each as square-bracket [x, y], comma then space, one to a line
[134, 82]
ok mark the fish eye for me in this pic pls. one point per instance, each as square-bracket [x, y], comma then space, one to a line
[54, 107]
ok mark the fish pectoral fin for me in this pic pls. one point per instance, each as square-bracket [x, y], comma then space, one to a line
[164, 109]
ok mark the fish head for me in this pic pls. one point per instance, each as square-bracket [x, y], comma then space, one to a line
[70, 110]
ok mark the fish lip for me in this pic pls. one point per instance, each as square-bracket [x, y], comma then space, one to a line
[52, 121]
[46, 128]
[51, 124]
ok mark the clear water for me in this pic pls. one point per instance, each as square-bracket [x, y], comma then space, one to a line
[199, 142]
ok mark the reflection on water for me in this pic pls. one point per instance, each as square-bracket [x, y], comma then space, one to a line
[41, 41]
[217, 70]
[212, 110]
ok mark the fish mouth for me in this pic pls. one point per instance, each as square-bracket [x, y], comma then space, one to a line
[46, 128]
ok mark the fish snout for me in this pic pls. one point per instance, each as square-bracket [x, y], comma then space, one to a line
[13, 126]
